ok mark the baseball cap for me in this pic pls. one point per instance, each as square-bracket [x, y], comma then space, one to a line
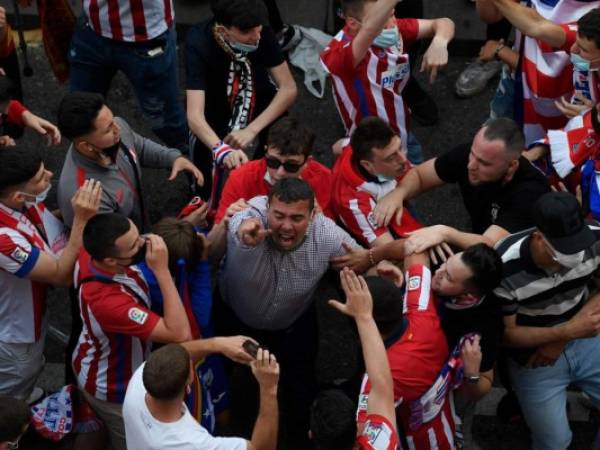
[558, 216]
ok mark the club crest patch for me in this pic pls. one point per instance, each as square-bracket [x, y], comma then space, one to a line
[137, 315]
[19, 255]
[414, 283]
[371, 220]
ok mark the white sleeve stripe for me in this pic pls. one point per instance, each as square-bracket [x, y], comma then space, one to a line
[425, 292]
[362, 221]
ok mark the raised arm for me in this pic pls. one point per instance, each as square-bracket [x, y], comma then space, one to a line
[529, 22]
[59, 271]
[174, 326]
[359, 305]
[371, 27]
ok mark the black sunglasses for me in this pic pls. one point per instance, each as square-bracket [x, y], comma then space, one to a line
[288, 166]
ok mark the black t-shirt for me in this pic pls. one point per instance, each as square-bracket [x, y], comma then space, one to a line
[507, 205]
[485, 319]
[207, 69]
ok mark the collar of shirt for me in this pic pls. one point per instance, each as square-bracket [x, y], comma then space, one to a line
[89, 163]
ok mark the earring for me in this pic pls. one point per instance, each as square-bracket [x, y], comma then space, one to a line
[188, 389]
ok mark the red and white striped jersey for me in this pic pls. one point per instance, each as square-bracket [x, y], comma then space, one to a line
[416, 355]
[354, 198]
[117, 323]
[547, 74]
[374, 87]
[23, 236]
[129, 20]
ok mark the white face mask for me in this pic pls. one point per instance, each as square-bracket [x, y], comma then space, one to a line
[568, 261]
[39, 198]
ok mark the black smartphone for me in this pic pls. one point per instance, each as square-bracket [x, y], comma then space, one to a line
[251, 347]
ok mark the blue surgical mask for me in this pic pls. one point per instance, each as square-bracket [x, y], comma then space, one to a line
[582, 64]
[387, 38]
[39, 198]
[384, 178]
[246, 48]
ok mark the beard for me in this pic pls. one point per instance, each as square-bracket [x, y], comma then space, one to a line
[111, 152]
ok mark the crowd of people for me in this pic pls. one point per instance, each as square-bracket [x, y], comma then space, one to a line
[198, 327]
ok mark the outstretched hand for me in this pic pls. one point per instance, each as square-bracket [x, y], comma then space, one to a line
[359, 303]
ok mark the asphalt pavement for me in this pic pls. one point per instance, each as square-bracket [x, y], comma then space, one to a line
[459, 121]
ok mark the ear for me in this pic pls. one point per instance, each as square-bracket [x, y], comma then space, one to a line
[353, 24]
[83, 146]
[367, 165]
[16, 197]
[512, 168]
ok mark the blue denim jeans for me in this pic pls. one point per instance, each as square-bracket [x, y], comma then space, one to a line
[151, 69]
[414, 151]
[542, 392]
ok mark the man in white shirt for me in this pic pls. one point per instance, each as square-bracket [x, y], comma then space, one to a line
[156, 416]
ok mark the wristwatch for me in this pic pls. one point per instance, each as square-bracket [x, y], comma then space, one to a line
[472, 379]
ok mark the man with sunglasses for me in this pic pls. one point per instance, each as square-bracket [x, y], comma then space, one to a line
[289, 144]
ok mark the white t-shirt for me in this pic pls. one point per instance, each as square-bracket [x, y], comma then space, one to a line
[144, 432]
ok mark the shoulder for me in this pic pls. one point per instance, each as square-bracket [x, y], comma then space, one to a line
[199, 34]
[251, 170]
[122, 123]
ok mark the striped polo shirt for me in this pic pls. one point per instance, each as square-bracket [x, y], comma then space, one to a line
[540, 298]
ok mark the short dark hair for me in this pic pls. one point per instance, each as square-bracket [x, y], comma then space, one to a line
[387, 303]
[166, 372]
[353, 8]
[332, 420]
[292, 190]
[371, 132]
[290, 137]
[486, 265]
[182, 241]
[242, 14]
[507, 131]
[77, 113]
[7, 89]
[19, 164]
[14, 416]
[101, 232]
[588, 26]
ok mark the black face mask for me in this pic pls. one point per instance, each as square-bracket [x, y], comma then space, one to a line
[140, 256]
[595, 121]
[111, 152]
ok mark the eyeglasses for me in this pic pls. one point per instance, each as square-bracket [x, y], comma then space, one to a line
[288, 166]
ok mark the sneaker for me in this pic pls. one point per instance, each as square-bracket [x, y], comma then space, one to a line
[289, 37]
[36, 395]
[475, 77]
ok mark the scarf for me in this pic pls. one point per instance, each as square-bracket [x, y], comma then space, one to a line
[240, 84]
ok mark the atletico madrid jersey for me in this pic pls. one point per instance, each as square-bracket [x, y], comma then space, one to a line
[416, 354]
[374, 86]
[117, 323]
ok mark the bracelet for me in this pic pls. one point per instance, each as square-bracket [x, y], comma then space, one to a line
[371, 259]
[498, 49]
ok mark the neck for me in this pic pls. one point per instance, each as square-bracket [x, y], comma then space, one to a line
[97, 157]
[12, 204]
[164, 410]
[110, 269]
[541, 260]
